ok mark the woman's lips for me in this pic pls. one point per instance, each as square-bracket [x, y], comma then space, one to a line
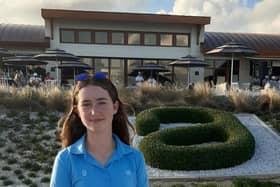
[97, 120]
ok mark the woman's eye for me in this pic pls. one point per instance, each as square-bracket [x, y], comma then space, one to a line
[85, 104]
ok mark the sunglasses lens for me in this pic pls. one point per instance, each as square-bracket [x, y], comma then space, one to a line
[84, 76]
[81, 77]
[99, 75]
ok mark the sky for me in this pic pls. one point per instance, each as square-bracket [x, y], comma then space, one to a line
[243, 16]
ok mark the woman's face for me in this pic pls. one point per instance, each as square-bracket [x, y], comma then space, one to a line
[96, 108]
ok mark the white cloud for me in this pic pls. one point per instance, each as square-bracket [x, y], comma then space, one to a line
[226, 15]
[230, 16]
[29, 11]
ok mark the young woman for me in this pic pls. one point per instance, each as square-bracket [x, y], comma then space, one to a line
[95, 140]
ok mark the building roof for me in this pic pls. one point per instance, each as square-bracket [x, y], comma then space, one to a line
[265, 44]
[122, 17]
[19, 35]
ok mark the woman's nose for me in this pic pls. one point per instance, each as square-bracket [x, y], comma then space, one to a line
[94, 110]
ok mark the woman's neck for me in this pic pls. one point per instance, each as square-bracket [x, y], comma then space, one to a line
[100, 146]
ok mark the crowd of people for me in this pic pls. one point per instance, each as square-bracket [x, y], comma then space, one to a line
[20, 79]
[140, 80]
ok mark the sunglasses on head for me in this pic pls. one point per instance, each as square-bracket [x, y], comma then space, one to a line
[86, 76]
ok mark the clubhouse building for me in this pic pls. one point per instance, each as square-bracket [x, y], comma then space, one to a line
[116, 43]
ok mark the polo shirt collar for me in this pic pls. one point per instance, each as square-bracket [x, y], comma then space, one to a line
[79, 147]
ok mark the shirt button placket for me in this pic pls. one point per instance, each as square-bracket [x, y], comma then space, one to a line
[108, 177]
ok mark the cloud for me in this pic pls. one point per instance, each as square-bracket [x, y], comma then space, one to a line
[233, 15]
[226, 15]
[29, 11]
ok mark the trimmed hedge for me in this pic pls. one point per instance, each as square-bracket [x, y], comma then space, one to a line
[181, 148]
[149, 120]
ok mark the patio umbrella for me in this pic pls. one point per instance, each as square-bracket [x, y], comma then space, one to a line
[4, 53]
[75, 66]
[232, 49]
[150, 67]
[56, 55]
[22, 61]
[188, 62]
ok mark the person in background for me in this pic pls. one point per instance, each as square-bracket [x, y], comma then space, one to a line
[139, 79]
[35, 80]
[95, 140]
[152, 81]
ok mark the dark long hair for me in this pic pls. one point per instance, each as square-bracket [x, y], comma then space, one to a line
[73, 128]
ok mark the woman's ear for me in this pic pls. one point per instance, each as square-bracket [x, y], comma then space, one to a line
[116, 107]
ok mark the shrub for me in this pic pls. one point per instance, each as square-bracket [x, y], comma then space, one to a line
[247, 182]
[45, 179]
[149, 120]
[8, 182]
[6, 168]
[27, 181]
[180, 148]
[17, 171]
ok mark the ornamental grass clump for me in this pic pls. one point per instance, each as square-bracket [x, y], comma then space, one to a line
[145, 97]
[243, 101]
[269, 100]
[39, 99]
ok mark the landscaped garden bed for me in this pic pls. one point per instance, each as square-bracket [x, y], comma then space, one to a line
[29, 140]
[184, 148]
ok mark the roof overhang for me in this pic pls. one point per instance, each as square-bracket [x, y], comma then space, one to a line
[122, 17]
[261, 53]
[25, 44]
[264, 58]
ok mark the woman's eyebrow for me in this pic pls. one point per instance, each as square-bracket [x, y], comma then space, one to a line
[101, 99]
[97, 99]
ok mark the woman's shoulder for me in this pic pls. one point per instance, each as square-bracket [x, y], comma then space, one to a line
[63, 154]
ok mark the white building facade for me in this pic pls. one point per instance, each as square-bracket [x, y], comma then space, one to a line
[116, 42]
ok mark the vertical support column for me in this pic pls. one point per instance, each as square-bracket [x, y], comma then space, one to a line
[125, 73]
[109, 68]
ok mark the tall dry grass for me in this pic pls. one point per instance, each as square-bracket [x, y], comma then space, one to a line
[140, 98]
[269, 99]
[30, 99]
[144, 97]
[243, 101]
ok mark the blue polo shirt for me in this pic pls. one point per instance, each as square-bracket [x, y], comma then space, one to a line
[74, 166]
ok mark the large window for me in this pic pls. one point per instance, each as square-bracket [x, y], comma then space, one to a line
[67, 36]
[150, 39]
[101, 65]
[166, 39]
[182, 40]
[84, 37]
[117, 71]
[133, 38]
[117, 38]
[101, 37]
